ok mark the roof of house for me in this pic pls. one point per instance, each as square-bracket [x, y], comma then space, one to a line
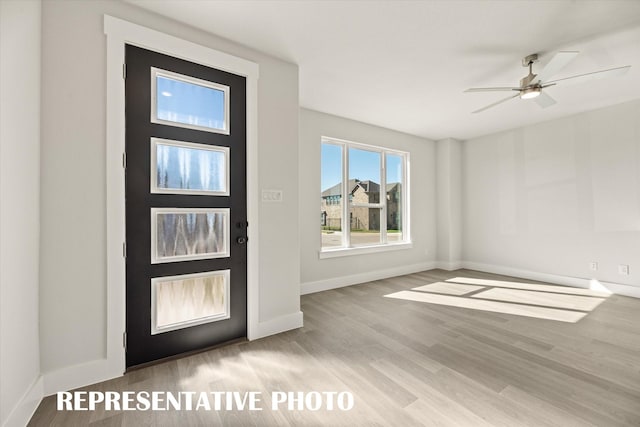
[336, 190]
[368, 186]
[394, 186]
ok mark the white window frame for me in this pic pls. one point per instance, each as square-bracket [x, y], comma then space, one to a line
[384, 245]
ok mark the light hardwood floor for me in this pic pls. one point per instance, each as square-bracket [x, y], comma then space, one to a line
[414, 363]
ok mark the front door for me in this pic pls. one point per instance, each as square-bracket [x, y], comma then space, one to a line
[186, 212]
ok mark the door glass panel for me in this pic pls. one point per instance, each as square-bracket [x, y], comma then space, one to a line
[188, 234]
[189, 168]
[188, 300]
[185, 101]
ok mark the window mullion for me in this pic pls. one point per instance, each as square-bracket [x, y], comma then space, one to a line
[406, 223]
[383, 198]
[346, 232]
[367, 205]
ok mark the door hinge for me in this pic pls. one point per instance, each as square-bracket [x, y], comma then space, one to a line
[124, 160]
[124, 249]
[124, 71]
[124, 340]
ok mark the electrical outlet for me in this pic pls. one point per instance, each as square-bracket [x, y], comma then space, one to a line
[593, 266]
[623, 269]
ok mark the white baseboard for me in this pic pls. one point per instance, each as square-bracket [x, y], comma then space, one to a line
[84, 374]
[579, 282]
[26, 406]
[280, 324]
[88, 373]
[80, 375]
[340, 282]
[449, 266]
[620, 289]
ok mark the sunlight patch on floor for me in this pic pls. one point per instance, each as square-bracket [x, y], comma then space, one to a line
[493, 306]
[559, 303]
[448, 288]
[595, 285]
[570, 302]
[531, 286]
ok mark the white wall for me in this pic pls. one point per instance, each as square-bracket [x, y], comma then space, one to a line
[20, 205]
[73, 260]
[449, 203]
[318, 273]
[553, 197]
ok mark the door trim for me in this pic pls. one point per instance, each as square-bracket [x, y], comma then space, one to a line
[119, 33]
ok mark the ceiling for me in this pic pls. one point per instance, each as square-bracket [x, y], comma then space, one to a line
[404, 65]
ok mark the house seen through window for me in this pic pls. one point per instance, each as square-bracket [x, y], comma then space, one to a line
[363, 195]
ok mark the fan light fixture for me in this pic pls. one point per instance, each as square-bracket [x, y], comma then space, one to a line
[530, 92]
[531, 85]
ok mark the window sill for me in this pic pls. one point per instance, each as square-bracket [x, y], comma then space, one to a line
[340, 252]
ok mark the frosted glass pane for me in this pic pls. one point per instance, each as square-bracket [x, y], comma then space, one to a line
[186, 234]
[182, 301]
[189, 168]
[188, 103]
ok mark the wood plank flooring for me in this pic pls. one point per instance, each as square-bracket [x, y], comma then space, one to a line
[414, 363]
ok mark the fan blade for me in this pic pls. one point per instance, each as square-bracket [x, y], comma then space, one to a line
[557, 63]
[496, 103]
[544, 100]
[491, 89]
[581, 78]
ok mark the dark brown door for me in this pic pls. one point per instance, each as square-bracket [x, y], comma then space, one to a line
[186, 212]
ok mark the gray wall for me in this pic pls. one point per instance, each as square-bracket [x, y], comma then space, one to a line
[20, 205]
[553, 197]
[73, 263]
[314, 125]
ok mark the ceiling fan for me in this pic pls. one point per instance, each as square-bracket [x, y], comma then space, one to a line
[532, 84]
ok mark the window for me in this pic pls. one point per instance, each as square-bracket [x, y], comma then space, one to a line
[374, 214]
[183, 234]
[189, 168]
[184, 101]
[188, 300]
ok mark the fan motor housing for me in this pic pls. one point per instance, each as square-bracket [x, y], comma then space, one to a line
[526, 81]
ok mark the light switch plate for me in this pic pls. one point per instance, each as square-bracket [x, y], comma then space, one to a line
[270, 196]
[623, 269]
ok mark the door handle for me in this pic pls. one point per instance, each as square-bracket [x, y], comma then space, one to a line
[242, 240]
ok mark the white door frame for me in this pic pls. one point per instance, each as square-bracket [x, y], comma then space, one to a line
[119, 33]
